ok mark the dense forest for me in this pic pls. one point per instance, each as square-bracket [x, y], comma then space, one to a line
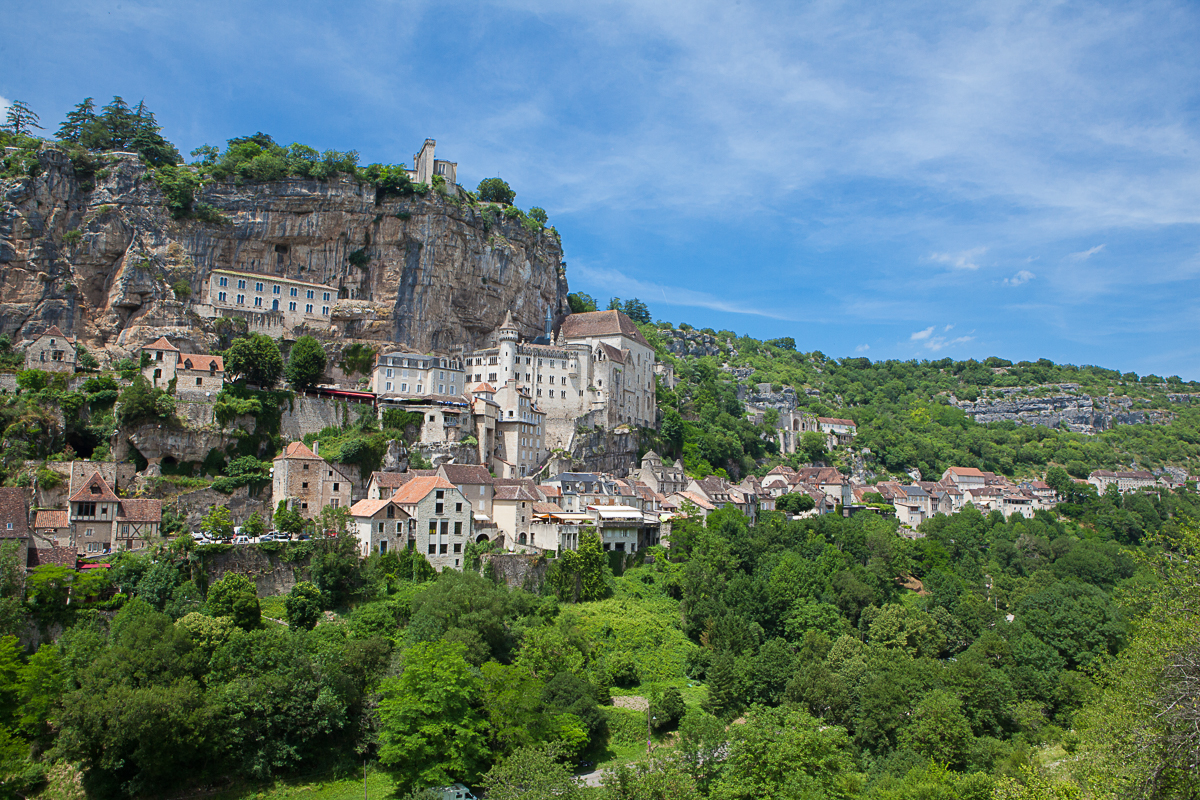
[794, 658]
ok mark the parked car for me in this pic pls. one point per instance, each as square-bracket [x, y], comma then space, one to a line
[241, 540]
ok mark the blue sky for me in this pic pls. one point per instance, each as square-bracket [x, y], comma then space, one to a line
[912, 180]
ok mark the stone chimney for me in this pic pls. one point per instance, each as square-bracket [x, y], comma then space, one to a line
[316, 448]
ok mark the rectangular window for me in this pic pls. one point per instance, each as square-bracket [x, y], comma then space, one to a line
[458, 547]
[258, 287]
[457, 531]
[433, 527]
[441, 388]
[389, 386]
[86, 510]
[304, 485]
[389, 373]
[458, 509]
[418, 388]
[438, 508]
[241, 284]
[432, 549]
[445, 528]
[308, 308]
[292, 306]
[197, 381]
[336, 487]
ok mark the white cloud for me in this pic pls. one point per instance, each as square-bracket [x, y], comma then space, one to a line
[621, 284]
[1024, 276]
[964, 260]
[919, 335]
[1086, 254]
[4, 103]
[862, 348]
[936, 343]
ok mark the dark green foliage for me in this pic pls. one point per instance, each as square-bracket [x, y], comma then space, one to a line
[581, 303]
[306, 363]
[358, 358]
[234, 596]
[20, 119]
[494, 190]
[667, 710]
[304, 605]
[141, 403]
[796, 503]
[538, 215]
[259, 158]
[783, 343]
[359, 258]
[255, 359]
[634, 309]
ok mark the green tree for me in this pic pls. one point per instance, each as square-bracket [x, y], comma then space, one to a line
[783, 752]
[658, 780]
[583, 574]
[306, 363]
[20, 119]
[581, 303]
[431, 730]
[303, 605]
[288, 520]
[494, 190]
[538, 215]
[217, 523]
[812, 445]
[255, 526]
[531, 773]
[702, 746]
[255, 359]
[78, 120]
[636, 310]
[939, 730]
[667, 709]
[795, 503]
[234, 596]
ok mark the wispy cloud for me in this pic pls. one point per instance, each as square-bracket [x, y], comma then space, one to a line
[920, 335]
[4, 103]
[1024, 276]
[936, 343]
[862, 348]
[967, 259]
[1086, 254]
[655, 293]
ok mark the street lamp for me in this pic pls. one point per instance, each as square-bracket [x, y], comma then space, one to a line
[648, 719]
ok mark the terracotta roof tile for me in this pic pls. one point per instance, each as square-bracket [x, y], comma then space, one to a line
[13, 511]
[298, 450]
[51, 518]
[86, 494]
[600, 323]
[546, 508]
[160, 343]
[202, 363]
[466, 473]
[418, 488]
[140, 511]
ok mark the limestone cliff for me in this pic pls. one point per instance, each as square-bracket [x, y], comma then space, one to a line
[104, 260]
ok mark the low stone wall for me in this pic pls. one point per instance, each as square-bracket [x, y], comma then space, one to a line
[272, 575]
[308, 414]
[516, 570]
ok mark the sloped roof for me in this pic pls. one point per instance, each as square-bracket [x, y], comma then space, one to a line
[600, 323]
[546, 508]
[698, 499]
[140, 511]
[203, 362]
[391, 480]
[85, 493]
[418, 488]
[160, 343]
[298, 450]
[836, 421]
[518, 492]
[54, 330]
[12, 509]
[966, 472]
[53, 555]
[614, 354]
[369, 508]
[466, 473]
[51, 518]
[485, 387]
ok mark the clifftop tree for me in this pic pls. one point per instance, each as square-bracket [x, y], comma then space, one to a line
[255, 359]
[306, 363]
[20, 119]
[494, 190]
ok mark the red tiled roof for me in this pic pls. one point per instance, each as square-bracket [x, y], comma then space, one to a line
[966, 472]
[161, 343]
[518, 492]
[53, 555]
[86, 494]
[466, 473]
[13, 511]
[391, 480]
[369, 508]
[836, 421]
[547, 508]
[54, 330]
[600, 323]
[140, 511]
[51, 518]
[418, 488]
[298, 450]
[202, 363]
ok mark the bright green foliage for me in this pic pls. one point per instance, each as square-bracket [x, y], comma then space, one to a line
[255, 526]
[812, 445]
[786, 753]
[431, 732]
[217, 523]
[288, 520]
[659, 780]
[583, 574]
[531, 773]
[306, 363]
[667, 710]
[304, 605]
[254, 359]
[234, 596]
[939, 730]
[494, 190]
[795, 503]
[143, 403]
[358, 358]
[538, 214]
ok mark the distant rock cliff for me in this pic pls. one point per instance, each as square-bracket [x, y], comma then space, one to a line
[1075, 412]
[109, 264]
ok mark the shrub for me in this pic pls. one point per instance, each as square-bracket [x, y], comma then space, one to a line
[538, 215]
[494, 190]
[49, 479]
[359, 258]
[73, 236]
[182, 289]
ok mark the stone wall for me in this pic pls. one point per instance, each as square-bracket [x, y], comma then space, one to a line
[1075, 412]
[310, 414]
[516, 570]
[272, 575]
[241, 504]
[690, 343]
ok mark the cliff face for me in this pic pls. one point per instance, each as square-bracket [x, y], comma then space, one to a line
[111, 266]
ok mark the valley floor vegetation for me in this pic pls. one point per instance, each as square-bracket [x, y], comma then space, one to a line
[815, 658]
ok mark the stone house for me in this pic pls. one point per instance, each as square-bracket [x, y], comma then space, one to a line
[380, 526]
[385, 484]
[1128, 481]
[721, 493]
[288, 303]
[52, 351]
[401, 374]
[914, 507]
[137, 521]
[439, 518]
[620, 527]
[51, 529]
[93, 513]
[833, 483]
[475, 483]
[520, 433]
[425, 167]
[964, 478]
[307, 482]
[14, 519]
[663, 479]
[191, 372]
[513, 511]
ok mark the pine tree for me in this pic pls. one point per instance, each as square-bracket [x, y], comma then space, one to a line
[20, 119]
[78, 122]
[723, 698]
[117, 124]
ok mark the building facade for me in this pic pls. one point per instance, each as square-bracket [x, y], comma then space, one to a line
[51, 352]
[307, 482]
[292, 302]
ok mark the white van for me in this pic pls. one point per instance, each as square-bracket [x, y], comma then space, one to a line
[455, 791]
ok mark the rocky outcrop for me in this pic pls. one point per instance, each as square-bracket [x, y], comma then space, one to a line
[690, 343]
[111, 266]
[1080, 413]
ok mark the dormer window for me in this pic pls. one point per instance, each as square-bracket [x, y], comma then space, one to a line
[95, 489]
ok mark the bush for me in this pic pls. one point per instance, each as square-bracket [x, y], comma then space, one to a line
[49, 479]
[182, 289]
[494, 190]
[538, 215]
[303, 605]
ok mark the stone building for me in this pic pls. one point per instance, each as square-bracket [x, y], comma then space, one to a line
[663, 479]
[400, 374]
[520, 438]
[380, 525]
[101, 522]
[308, 482]
[14, 519]
[274, 304]
[52, 352]
[475, 483]
[191, 372]
[439, 518]
[599, 366]
[425, 166]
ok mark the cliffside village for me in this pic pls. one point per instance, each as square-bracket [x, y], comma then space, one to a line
[516, 407]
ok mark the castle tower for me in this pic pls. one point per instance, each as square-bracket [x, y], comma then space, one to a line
[508, 335]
